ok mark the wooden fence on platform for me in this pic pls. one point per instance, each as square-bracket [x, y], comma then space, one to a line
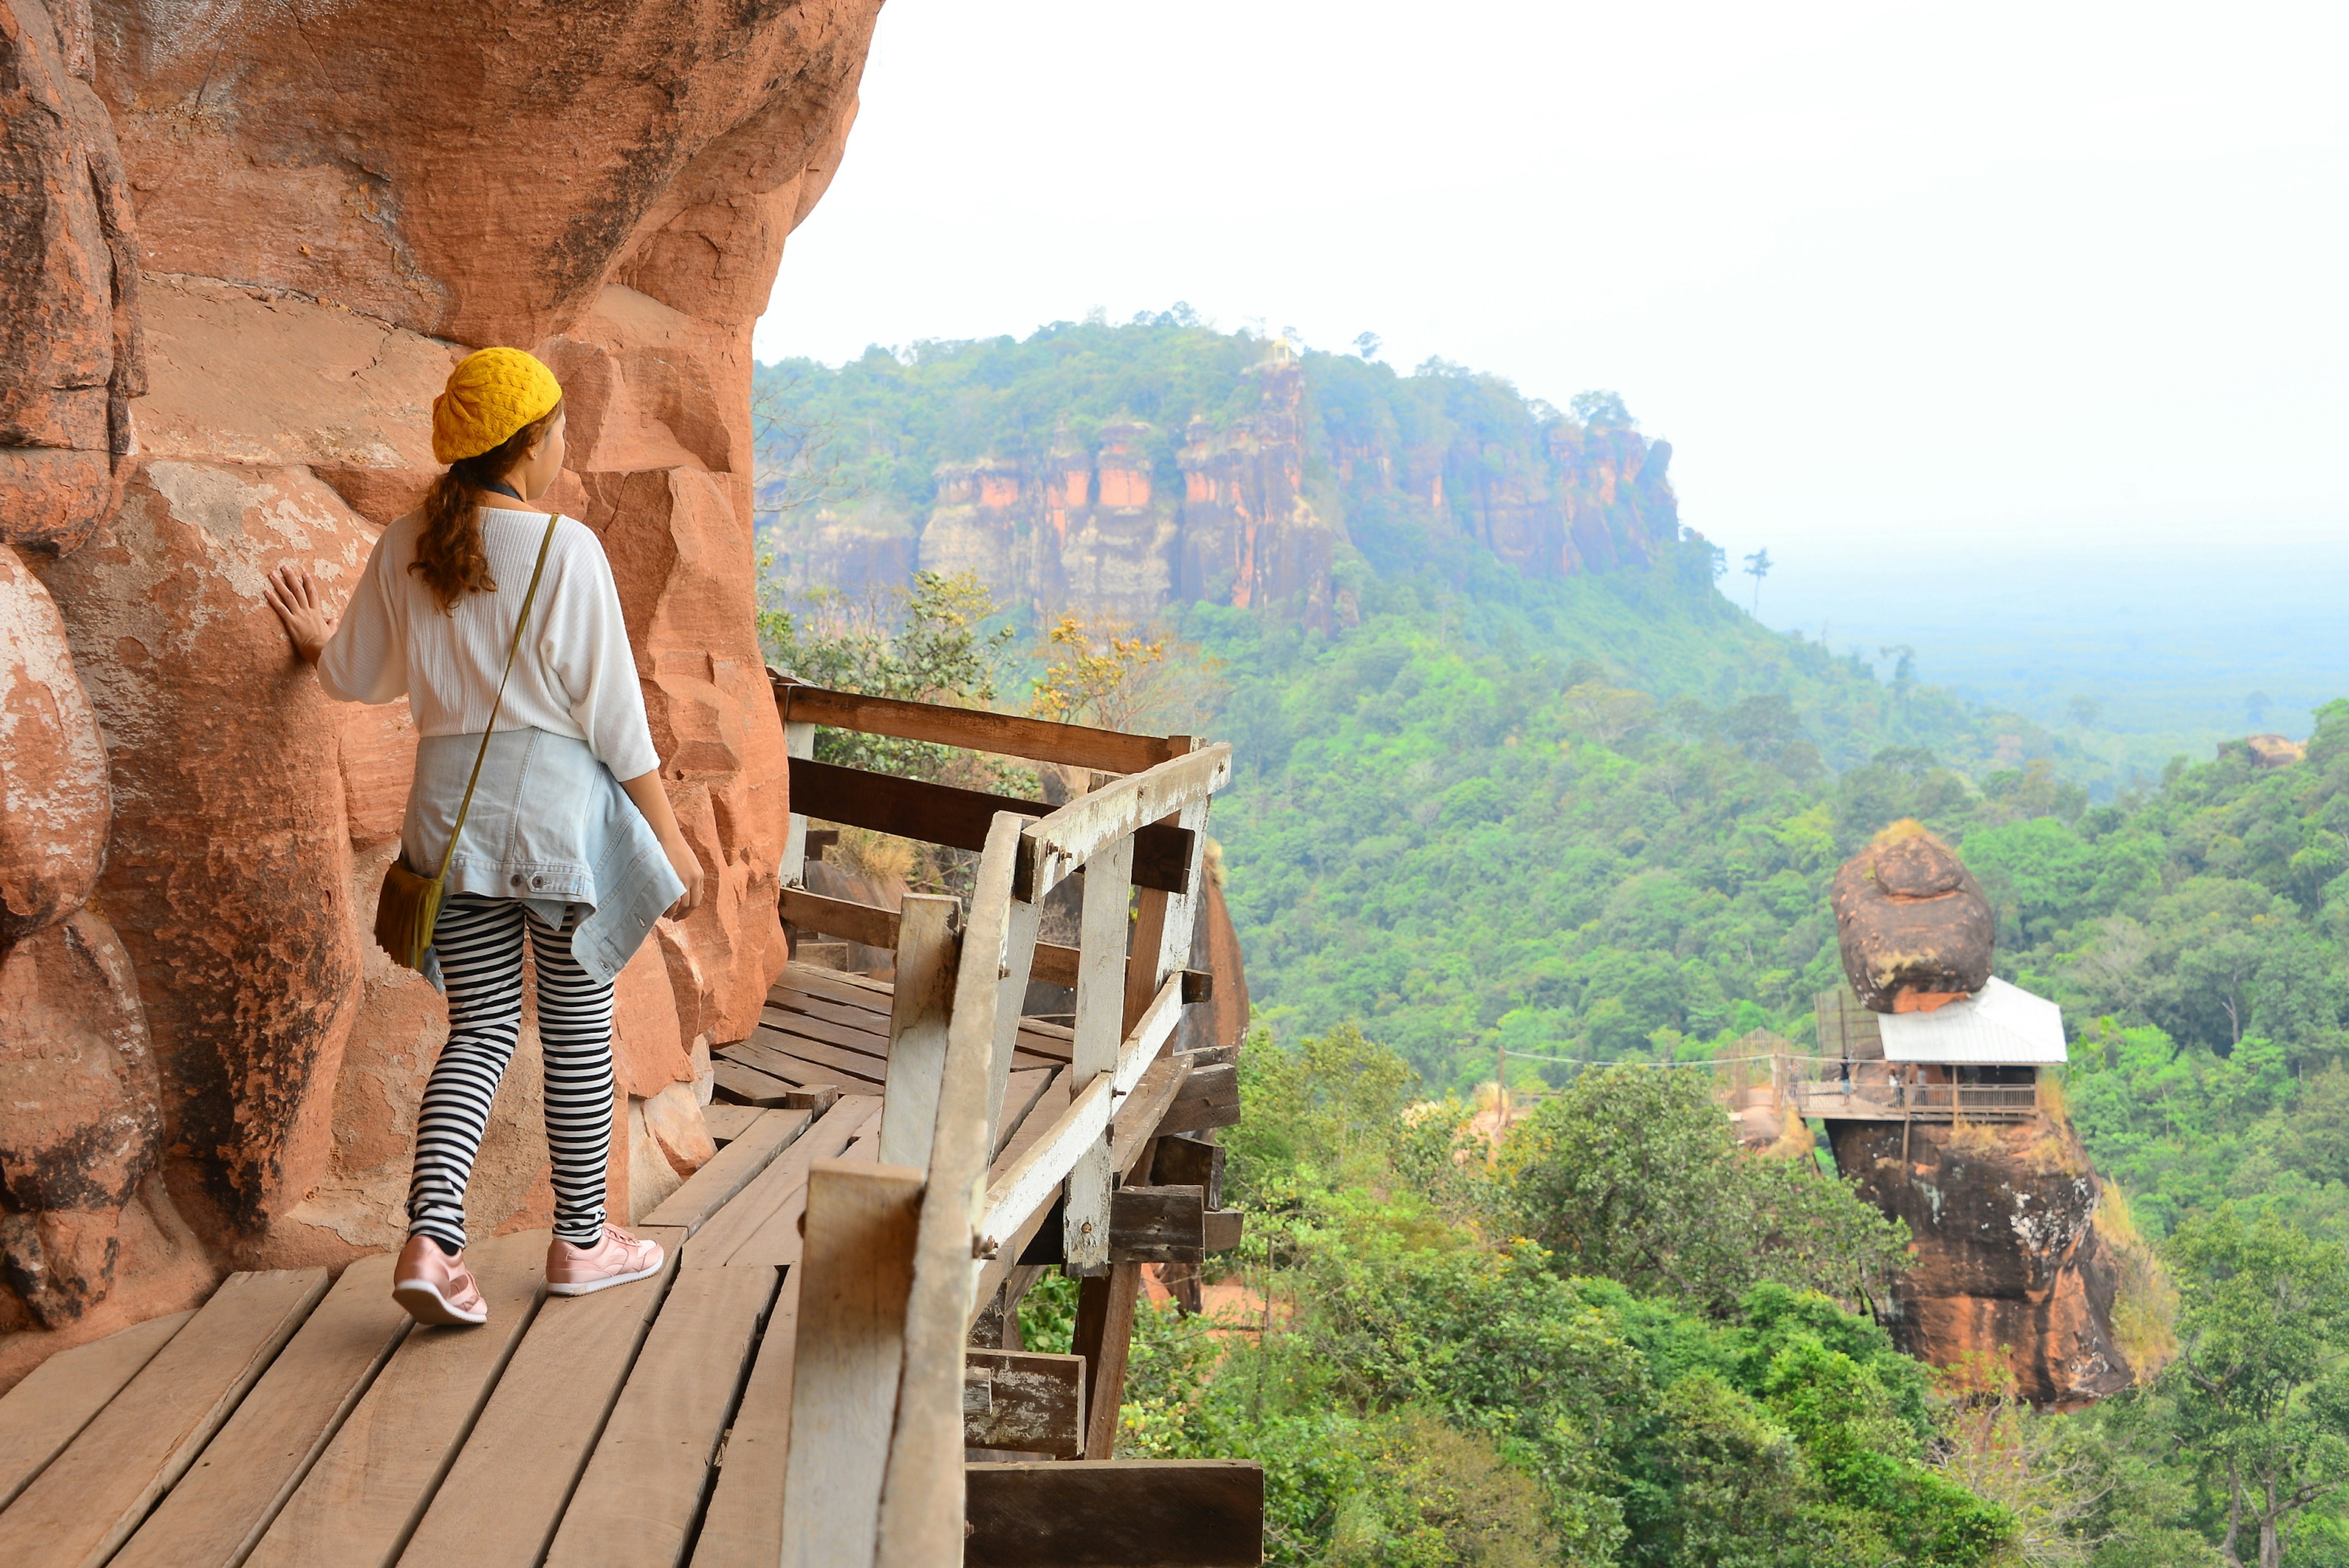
[901, 1256]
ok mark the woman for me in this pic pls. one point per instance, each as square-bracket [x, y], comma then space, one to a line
[569, 838]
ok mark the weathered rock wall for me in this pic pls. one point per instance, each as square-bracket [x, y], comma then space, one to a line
[1259, 510]
[2007, 1264]
[307, 214]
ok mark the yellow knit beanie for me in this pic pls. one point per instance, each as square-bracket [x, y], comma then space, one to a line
[492, 393]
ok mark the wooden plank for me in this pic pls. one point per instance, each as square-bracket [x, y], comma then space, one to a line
[771, 1057]
[929, 949]
[1099, 1027]
[1221, 1230]
[1158, 1225]
[511, 1482]
[86, 1502]
[1034, 1404]
[778, 1242]
[1105, 1333]
[727, 1123]
[835, 1023]
[220, 1508]
[1067, 839]
[844, 917]
[1210, 1098]
[58, 1398]
[1140, 1114]
[1019, 1097]
[831, 1059]
[744, 1526]
[714, 1185]
[862, 1222]
[1041, 1117]
[799, 741]
[1182, 1161]
[748, 1087]
[362, 1499]
[725, 1230]
[1031, 1182]
[973, 729]
[943, 814]
[1150, 1033]
[642, 1491]
[1164, 1513]
[854, 990]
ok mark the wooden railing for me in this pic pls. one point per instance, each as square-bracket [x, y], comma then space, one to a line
[901, 1256]
[1836, 1089]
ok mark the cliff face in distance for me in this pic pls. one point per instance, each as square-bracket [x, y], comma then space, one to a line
[1120, 470]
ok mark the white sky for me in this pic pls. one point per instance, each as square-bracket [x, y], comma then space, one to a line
[1892, 276]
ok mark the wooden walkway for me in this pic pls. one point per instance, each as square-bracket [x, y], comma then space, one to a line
[298, 1424]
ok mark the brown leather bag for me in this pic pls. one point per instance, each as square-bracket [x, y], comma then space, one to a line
[410, 905]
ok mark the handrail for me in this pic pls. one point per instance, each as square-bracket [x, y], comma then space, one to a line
[1060, 845]
[974, 729]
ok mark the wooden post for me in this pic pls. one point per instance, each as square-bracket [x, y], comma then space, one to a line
[928, 952]
[799, 741]
[856, 1273]
[1104, 1331]
[1099, 1028]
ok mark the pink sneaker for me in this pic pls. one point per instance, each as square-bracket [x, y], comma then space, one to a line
[434, 1287]
[617, 1258]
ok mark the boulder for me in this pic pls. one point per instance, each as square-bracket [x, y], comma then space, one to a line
[1914, 926]
[229, 868]
[54, 804]
[79, 1125]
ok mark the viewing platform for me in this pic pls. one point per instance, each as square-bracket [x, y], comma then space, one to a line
[828, 1370]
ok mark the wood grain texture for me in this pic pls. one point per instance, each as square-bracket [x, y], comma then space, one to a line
[748, 1087]
[998, 734]
[1158, 1225]
[1035, 1403]
[862, 1222]
[1210, 1097]
[1134, 1513]
[362, 1499]
[58, 1398]
[232, 1492]
[727, 1123]
[1184, 1161]
[1067, 840]
[511, 1482]
[1104, 1332]
[724, 1232]
[1100, 1029]
[929, 948]
[778, 1242]
[744, 1525]
[734, 1167]
[1141, 1114]
[1223, 1230]
[642, 1491]
[89, 1499]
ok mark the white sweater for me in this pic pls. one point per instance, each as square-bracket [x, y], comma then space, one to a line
[574, 675]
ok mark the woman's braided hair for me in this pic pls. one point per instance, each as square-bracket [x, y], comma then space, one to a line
[448, 552]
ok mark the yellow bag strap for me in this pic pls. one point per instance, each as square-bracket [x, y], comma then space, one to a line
[512, 648]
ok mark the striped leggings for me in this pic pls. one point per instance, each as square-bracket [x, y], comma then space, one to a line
[480, 943]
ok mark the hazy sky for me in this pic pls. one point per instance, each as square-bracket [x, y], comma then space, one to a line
[1911, 277]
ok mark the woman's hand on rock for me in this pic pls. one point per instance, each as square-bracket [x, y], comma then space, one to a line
[687, 866]
[295, 596]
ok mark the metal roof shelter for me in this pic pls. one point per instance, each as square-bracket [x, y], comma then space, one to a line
[2000, 1025]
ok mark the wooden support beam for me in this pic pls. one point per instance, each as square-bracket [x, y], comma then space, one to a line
[1168, 1513]
[1158, 1225]
[799, 741]
[1210, 1097]
[1183, 1161]
[1100, 1030]
[857, 1271]
[1025, 1403]
[1104, 1332]
[929, 950]
[1221, 1228]
[998, 734]
[746, 1085]
[943, 814]
[735, 1167]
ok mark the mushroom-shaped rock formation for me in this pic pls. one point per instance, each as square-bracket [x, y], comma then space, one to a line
[1914, 926]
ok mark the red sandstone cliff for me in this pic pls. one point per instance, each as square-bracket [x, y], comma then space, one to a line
[310, 213]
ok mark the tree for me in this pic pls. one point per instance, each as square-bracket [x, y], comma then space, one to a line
[1632, 1173]
[1367, 344]
[2260, 1383]
[1600, 411]
[1757, 566]
[2084, 711]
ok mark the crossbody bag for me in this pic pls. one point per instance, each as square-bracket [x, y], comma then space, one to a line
[410, 905]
